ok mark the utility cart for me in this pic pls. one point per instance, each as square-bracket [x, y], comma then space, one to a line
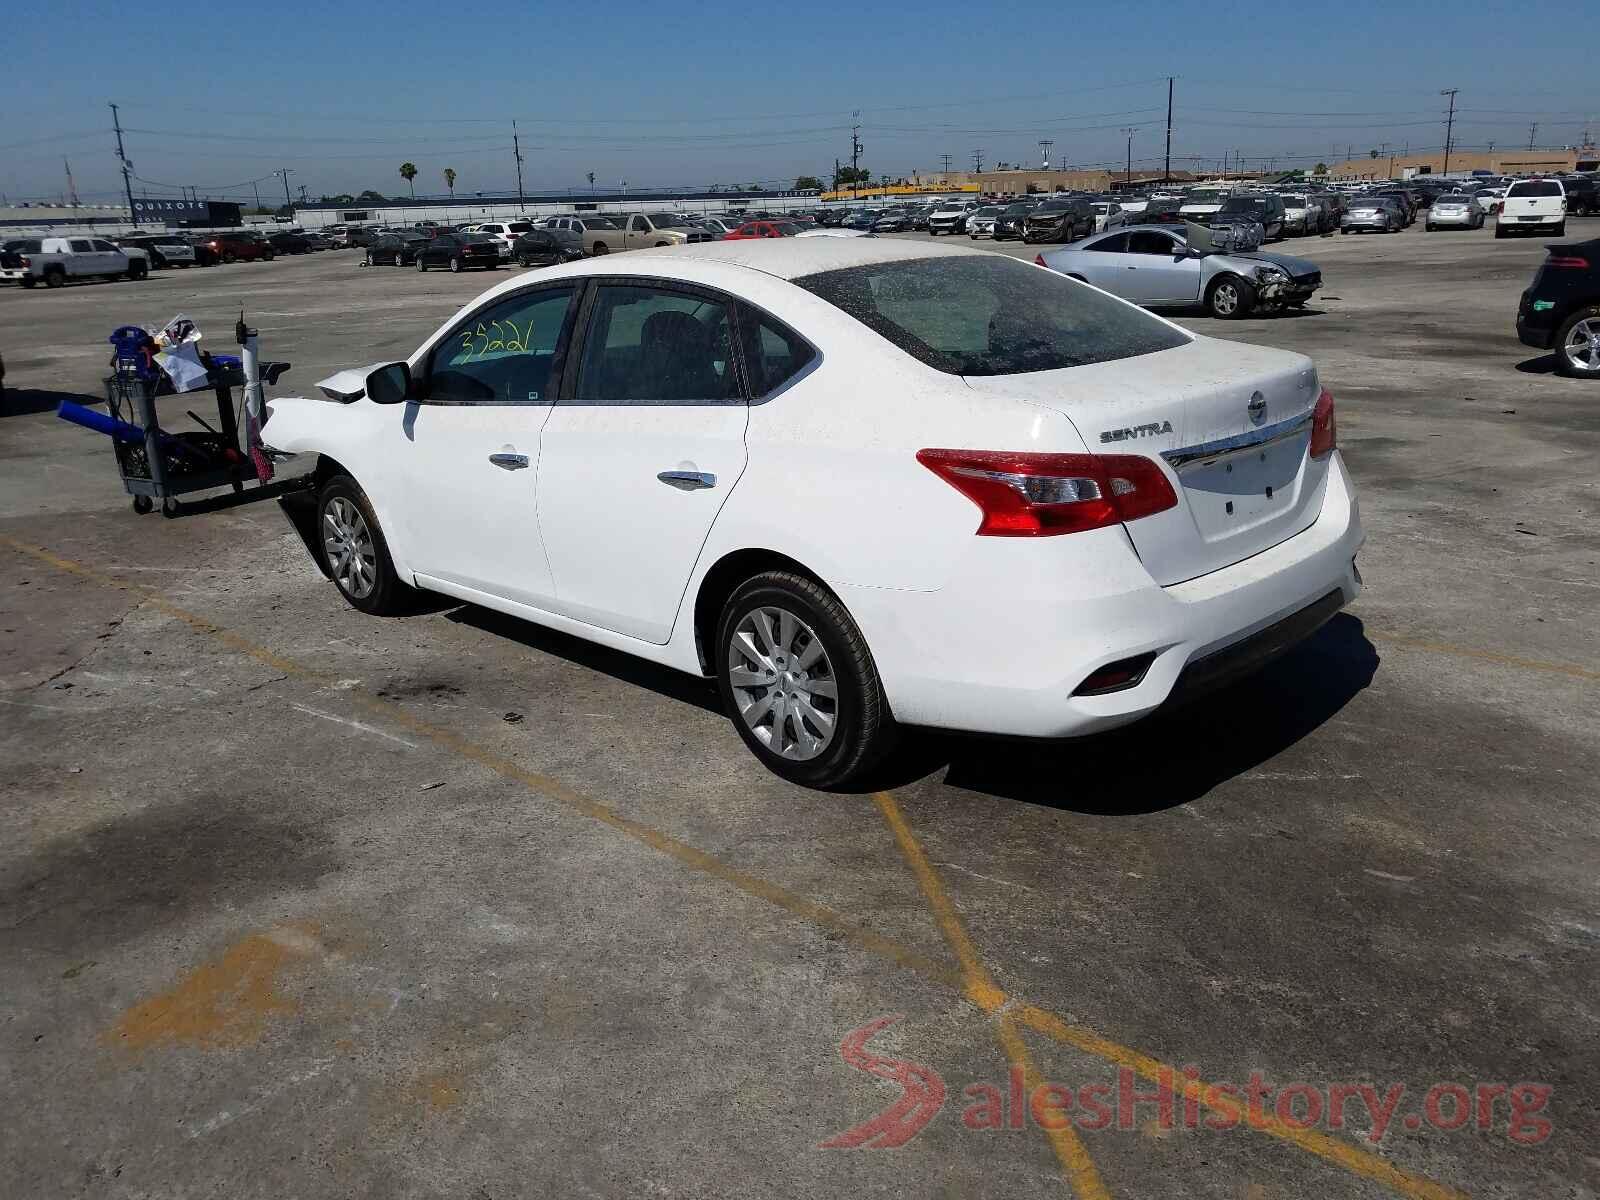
[157, 465]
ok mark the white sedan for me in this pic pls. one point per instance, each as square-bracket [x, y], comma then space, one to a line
[858, 482]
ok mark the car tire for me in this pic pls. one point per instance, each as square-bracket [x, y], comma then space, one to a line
[55, 278]
[1565, 363]
[267, 257]
[354, 551]
[399, 260]
[806, 624]
[138, 270]
[1230, 298]
[421, 266]
[227, 256]
[1561, 230]
[455, 265]
[1499, 230]
[1427, 229]
[28, 281]
[601, 248]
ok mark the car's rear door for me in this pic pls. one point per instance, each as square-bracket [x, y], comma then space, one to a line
[465, 451]
[640, 453]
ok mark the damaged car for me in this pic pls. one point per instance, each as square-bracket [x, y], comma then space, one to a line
[1159, 267]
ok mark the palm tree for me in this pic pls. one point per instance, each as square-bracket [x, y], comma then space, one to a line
[450, 181]
[408, 172]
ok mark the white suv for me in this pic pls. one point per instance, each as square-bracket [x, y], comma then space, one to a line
[1535, 205]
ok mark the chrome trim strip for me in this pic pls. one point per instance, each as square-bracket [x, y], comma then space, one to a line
[1210, 451]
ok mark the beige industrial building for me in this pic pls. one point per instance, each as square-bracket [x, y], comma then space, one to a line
[1500, 162]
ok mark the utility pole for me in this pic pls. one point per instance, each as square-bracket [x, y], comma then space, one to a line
[855, 147]
[1449, 126]
[945, 158]
[1044, 147]
[257, 189]
[284, 173]
[516, 150]
[72, 188]
[127, 167]
[1533, 132]
[1166, 170]
[977, 162]
[1127, 178]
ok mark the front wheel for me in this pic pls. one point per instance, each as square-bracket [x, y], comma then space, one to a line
[601, 248]
[1230, 298]
[456, 265]
[1561, 230]
[1578, 344]
[421, 266]
[399, 260]
[354, 550]
[799, 682]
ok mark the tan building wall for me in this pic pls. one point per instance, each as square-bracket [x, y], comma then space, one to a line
[1042, 181]
[1501, 162]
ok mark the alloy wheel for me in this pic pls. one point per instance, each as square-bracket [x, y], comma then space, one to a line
[1225, 299]
[352, 558]
[783, 683]
[1582, 347]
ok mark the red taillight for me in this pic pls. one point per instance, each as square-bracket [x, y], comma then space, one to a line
[1038, 261]
[1040, 495]
[27, 262]
[1568, 262]
[1324, 428]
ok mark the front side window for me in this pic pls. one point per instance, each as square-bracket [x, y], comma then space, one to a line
[640, 225]
[104, 246]
[988, 315]
[647, 345]
[504, 354]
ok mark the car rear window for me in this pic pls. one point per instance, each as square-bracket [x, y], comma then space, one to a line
[1535, 187]
[989, 315]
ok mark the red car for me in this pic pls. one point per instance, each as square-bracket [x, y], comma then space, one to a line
[240, 245]
[763, 229]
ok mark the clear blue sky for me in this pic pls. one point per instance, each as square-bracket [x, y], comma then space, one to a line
[686, 93]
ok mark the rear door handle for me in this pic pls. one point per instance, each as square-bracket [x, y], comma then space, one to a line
[688, 481]
[510, 462]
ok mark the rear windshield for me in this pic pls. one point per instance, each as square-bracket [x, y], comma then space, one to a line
[1535, 187]
[990, 315]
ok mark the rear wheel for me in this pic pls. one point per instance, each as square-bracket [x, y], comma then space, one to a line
[601, 248]
[1499, 230]
[421, 266]
[399, 260]
[1561, 230]
[1230, 298]
[354, 550]
[455, 265]
[799, 682]
[1578, 344]
[55, 278]
[138, 269]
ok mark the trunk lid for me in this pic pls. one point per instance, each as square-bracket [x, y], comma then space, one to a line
[1230, 423]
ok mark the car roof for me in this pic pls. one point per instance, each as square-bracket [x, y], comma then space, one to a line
[790, 258]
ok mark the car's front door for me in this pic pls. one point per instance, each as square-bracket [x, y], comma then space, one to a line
[468, 447]
[1160, 268]
[640, 453]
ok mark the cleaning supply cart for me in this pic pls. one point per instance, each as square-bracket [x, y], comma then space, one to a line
[155, 464]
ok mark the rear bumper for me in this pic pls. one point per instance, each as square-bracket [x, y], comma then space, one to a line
[967, 657]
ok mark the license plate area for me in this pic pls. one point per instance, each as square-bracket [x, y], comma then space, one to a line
[1243, 489]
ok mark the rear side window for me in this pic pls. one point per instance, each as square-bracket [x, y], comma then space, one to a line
[654, 346]
[1535, 187]
[774, 353]
[989, 315]
[80, 246]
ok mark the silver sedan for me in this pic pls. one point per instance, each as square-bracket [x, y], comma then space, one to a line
[1455, 210]
[1157, 267]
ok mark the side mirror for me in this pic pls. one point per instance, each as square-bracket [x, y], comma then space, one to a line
[390, 384]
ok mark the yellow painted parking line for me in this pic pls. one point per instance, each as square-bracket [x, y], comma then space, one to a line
[1352, 1158]
[1488, 656]
[1081, 1174]
[1349, 1156]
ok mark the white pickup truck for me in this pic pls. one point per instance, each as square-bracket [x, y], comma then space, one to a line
[59, 260]
[1534, 205]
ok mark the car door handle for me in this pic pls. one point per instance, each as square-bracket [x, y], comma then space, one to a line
[509, 462]
[688, 481]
